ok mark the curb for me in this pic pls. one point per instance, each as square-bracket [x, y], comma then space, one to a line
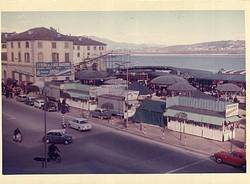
[150, 138]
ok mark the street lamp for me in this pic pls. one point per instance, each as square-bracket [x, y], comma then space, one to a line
[124, 64]
[45, 126]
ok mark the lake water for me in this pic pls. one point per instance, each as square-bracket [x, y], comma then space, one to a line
[203, 62]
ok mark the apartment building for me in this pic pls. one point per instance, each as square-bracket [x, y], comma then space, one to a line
[90, 52]
[26, 49]
[25, 53]
[4, 37]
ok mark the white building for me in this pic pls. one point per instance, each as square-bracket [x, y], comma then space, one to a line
[26, 49]
[90, 52]
[201, 117]
[22, 53]
[4, 37]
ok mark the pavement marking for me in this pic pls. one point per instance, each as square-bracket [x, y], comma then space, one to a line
[186, 166]
[9, 117]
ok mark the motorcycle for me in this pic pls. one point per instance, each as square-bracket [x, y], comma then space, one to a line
[54, 157]
[17, 138]
[64, 125]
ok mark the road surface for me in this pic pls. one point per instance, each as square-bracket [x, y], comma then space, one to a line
[102, 150]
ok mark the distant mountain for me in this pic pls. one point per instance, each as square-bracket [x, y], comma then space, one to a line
[113, 45]
[215, 47]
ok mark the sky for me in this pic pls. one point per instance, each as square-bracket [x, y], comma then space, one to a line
[149, 27]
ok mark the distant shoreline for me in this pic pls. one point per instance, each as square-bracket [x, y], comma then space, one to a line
[166, 54]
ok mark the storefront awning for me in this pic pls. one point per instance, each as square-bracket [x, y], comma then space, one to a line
[81, 96]
[214, 120]
[234, 118]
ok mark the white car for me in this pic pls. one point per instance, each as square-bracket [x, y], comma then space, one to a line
[38, 103]
[80, 124]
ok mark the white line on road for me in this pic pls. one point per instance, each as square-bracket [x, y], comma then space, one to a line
[186, 166]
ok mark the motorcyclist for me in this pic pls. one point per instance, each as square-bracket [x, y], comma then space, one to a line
[52, 150]
[17, 135]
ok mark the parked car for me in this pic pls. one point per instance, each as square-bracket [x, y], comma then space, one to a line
[80, 124]
[38, 103]
[235, 158]
[21, 98]
[30, 100]
[58, 137]
[101, 113]
[50, 106]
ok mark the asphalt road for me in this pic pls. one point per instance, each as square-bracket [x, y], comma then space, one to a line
[102, 150]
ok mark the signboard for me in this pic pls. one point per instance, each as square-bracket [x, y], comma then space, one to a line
[48, 69]
[232, 110]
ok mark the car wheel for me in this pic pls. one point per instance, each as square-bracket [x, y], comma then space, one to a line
[66, 142]
[219, 160]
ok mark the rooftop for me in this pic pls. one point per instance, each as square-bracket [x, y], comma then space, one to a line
[39, 33]
[80, 40]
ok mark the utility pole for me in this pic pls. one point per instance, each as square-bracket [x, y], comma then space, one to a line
[126, 125]
[45, 127]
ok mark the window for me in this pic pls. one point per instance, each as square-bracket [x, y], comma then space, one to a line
[27, 57]
[94, 47]
[78, 54]
[53, 45]
[66, 57]
[78, 47]
[100, 48]
[40, 45]
[4, 56]
[88, 53]
[12, 56]
[19, 57]
[55, 57]
[66, 45]
[88, 48]
[27, 45]
[73, 47]
[19, 45]
[40, 57]
[12, 45]
[4, 46]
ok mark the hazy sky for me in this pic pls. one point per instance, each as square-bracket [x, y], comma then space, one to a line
[153, 27]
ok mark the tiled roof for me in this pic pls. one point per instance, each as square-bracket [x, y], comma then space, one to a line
[4, 36]
[39, 33]
[80, 40]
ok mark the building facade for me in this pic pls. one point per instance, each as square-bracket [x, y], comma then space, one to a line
[90, 53]
[23, 52]
[201, 117]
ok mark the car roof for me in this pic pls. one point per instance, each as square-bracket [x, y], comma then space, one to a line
[40, 100]
[22, 95]
[57, 130]
[80, 119]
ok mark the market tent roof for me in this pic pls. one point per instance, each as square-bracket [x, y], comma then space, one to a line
[91, 75]
[197, 117]
[151, 112]
[136, 86]
[115, 81]
[181, 86]
[221, 76]
[167, 80]
[74, 93]
[229, 87]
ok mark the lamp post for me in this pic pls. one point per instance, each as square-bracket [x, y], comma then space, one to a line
[45, 125]
[124, 64]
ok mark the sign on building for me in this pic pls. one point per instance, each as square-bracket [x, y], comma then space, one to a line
[232, 110]
[50, 69]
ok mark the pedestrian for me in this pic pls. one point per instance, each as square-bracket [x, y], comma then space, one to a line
[59, 105]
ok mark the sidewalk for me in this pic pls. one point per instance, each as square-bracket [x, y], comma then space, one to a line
[193, 143]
